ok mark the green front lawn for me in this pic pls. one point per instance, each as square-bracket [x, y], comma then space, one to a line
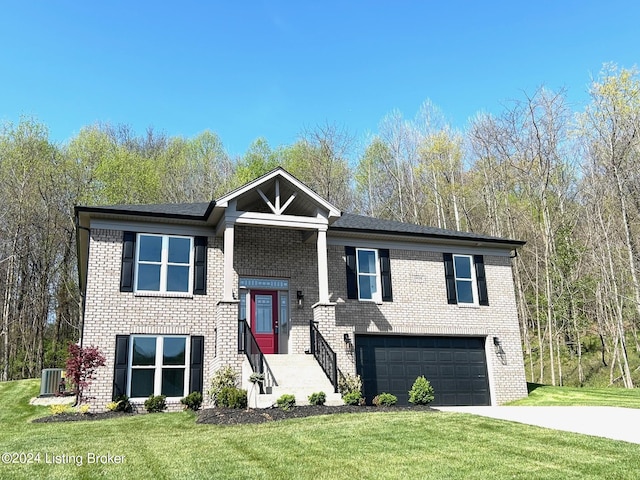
[545, 395]
[371, 445]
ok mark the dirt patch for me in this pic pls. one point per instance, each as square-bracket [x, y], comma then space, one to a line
[230, 416]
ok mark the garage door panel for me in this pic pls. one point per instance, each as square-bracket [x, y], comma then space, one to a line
[463, 385]
[461, 356]
[381, 355]
[478, 384]
[445, 356]
[397, 385]
[395, 355]
[413, 371]
[447, 371]
[455, 366]
[445, 399]
[412, 355]
[396, 370]
[429, 355]
[476, 357]
[430, 372]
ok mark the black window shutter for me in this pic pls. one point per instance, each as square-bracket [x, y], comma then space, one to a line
[128, 260]
[481, 280]
[450, 278]
[200, 266]
[385, 274]
[197, 364]
[352, 279]
[121, 366]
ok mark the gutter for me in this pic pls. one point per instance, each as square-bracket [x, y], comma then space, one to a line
[460, 238]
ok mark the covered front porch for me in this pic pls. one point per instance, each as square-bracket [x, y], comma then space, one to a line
[275, 282]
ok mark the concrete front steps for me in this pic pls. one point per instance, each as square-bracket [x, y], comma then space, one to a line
[296, 374]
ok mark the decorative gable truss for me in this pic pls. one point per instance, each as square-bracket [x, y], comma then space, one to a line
[277, 199]
[277, 209]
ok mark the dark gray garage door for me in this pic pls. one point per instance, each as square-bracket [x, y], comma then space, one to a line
[455, 366]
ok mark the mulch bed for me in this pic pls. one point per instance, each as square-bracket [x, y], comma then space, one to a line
[75, 417]
[231, 416]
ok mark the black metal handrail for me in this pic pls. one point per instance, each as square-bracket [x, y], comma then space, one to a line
[248, 345]
[325, 356]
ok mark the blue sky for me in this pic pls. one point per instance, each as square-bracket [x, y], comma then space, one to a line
[270, 69]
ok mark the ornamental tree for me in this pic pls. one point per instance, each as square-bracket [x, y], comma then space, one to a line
[81, 366]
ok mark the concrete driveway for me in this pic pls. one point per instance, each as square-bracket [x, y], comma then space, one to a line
[616, 423]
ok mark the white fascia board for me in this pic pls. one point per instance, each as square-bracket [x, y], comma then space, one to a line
[146, 227]
[419, 247]
[224, 201]
[271, 220]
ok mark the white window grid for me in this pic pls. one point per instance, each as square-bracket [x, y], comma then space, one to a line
[158, 366]
[377, 296]
[472, 280]
[164, 264]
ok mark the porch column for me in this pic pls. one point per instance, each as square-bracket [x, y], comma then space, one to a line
[228, 262]
[323, 270]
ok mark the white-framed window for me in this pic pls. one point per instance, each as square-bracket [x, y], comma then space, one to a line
[368, 271]
[465, 278]
[164, 264]
[158, 366]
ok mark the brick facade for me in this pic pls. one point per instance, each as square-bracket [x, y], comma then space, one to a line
[419, 305]
[109, 312]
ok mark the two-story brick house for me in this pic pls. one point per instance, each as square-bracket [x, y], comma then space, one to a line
[174, 292]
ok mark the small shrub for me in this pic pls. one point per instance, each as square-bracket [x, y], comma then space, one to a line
[317, 398]
[192, 401]
[120, 404]
[353, 398]
[385, 400]
[155, 403]
[59, 408]
[232, 397]
[226, 377]
[84, 409]
[421, 392]
[286, 402]
[123, 404]
[349, 383]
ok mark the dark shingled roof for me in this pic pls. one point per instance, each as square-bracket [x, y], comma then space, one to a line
[349, 222]
[187, 211]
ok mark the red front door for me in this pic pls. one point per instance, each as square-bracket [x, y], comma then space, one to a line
[264, 319]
